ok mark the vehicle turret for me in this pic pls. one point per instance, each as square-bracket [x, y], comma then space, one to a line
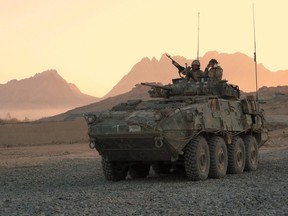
[182, 87]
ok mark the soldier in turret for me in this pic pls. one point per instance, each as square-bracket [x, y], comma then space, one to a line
[197, 73]
[213, 71]
[193, 73]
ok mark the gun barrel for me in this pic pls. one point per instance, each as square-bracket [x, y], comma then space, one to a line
[169, 56]
[176, 64]
[157, 86]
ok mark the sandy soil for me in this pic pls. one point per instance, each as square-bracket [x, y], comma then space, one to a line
[278, 138]
[43, 133]
[78, 187]
[26, 156]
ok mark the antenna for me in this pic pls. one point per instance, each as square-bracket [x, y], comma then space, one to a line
[198, 37]
[255, 59]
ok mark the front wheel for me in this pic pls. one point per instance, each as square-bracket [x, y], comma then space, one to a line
[197, 159]
[113, 171]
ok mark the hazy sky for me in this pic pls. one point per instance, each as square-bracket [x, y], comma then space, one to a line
[94, 43]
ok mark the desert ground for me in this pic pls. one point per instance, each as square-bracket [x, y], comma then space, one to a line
[47, 168]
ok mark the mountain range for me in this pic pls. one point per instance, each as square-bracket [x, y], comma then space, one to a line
[238, 69]
[47, 93]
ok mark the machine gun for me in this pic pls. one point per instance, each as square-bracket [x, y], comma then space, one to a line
[176, 64]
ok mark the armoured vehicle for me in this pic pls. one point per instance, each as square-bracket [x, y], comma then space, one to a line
[203, 129]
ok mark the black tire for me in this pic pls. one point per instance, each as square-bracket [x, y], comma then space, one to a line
[251, 147]
[236, 156]
[113, 171]
[161, 168]
[139, 170]
[218, 157]
[197, 159]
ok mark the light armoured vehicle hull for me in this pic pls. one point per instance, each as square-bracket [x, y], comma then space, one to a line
[202, 129]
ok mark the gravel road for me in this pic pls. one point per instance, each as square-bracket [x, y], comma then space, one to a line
[76, 186]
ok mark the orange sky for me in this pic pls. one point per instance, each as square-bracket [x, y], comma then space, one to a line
[94, 43]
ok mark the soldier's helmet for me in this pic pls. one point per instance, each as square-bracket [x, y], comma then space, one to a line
[213, 61]
[196, 64]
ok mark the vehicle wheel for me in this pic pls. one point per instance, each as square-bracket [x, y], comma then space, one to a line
[236, 156]
[197, 159]
[218, 157]
[251, 147]
[139, 170]
[113, 171]
[161, 168]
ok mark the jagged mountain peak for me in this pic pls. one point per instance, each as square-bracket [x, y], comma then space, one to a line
[51, 74]
[47, 73]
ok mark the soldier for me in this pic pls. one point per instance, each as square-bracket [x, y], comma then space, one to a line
[194, 73]
[213, 71]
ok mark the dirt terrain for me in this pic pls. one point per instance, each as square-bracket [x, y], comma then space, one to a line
[68, 180]
[43, 133]
[28, 156]
[47, 168]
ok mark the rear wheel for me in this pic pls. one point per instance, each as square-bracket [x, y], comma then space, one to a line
[113, 171]
[197, 159]
[218, 157]
[251, 147]
[236, 156]
[139, 170]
